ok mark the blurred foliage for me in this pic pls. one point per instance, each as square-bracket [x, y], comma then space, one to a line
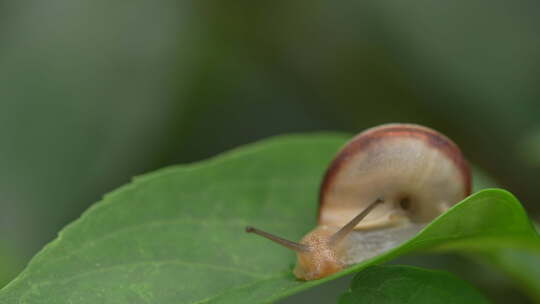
[94, 92]
[9, 265]
[85, 103]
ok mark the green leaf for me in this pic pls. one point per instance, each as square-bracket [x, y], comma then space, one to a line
[176, 235]
[405, 284]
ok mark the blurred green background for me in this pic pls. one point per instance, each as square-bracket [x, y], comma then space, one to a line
[93, 92]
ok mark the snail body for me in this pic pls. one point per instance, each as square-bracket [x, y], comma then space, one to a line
[382, 187]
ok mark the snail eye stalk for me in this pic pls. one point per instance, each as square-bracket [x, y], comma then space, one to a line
[342, 233]
[276, 239]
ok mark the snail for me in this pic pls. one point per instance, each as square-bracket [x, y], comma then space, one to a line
[382, 187]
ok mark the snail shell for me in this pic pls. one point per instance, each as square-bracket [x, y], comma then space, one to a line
[418, 171]
[382, 187]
